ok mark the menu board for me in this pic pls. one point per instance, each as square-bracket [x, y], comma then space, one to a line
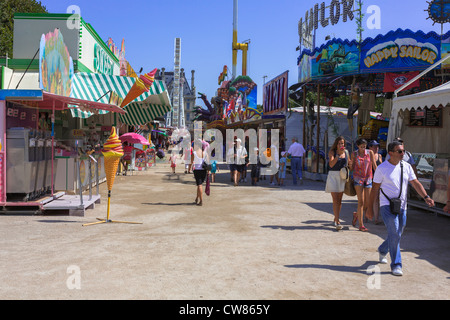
[426, 117]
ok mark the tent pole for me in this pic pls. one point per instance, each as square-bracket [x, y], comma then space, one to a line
[53, 146]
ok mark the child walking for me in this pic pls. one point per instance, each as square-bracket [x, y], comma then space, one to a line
[214, 169]
[173, 161]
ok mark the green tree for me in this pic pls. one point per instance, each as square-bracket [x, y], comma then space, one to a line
[7, 10]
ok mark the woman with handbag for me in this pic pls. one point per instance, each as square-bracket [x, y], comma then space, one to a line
[363, 161]
[199, 170]
[338, 159]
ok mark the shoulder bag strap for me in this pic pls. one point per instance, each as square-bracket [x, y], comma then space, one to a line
[401, 179]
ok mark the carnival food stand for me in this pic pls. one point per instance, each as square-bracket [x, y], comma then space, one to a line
[22, 158]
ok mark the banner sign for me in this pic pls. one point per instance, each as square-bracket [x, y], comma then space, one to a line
[393, 81]
[400, 50]
[325, 15]
[275, 94]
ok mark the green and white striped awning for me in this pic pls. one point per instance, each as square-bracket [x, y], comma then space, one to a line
[141, 113]
[92, 86]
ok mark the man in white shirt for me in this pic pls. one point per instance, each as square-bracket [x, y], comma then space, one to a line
[387, 178]
[241, 154]
[296, 151]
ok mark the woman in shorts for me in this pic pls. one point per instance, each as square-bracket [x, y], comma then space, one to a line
[337, 159]
[199, 171]
[363, 161]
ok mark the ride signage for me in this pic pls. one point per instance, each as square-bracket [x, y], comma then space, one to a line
[311, 21]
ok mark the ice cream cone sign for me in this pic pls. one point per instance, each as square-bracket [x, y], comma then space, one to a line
[142, 85]
[112, 151]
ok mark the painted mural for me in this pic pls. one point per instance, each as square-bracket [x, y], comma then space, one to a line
[55, 64]
[396, 51]
[336, 57]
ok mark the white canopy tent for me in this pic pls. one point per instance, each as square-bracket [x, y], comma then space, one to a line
[422, 139]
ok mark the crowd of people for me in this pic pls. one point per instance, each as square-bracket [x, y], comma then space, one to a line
[380, 186]
[381, 189]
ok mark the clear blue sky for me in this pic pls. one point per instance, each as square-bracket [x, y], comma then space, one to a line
[205, 28]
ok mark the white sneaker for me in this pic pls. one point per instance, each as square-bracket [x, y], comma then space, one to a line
[382, 258]
[338, 226]
[397, 271]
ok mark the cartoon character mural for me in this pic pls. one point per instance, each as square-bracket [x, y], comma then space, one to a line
[236, 101]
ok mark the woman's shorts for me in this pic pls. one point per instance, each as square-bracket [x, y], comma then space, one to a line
[200, 176]
[240, 167]
[334, 182]
[363, 183]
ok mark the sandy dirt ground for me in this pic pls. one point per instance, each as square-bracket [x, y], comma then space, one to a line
[245, 242]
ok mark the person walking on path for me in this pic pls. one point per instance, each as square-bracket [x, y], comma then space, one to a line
[188, 158]
[173, 161]
[363, 161]
[255, 167]
[282, 172]
[230, 160]
[375, 147]
[199, 170]
[240, 155]
[296, 152]
[392, 178]
[214, 169]
[338, 159]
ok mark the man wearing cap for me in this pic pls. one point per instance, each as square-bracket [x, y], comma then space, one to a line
[296, 152]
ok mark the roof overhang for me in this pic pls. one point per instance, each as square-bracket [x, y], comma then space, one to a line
[46, 100]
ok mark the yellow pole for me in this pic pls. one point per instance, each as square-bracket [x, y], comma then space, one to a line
[109, 204]
[244, 48]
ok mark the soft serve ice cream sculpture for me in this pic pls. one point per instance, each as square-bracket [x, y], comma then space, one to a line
[142, 85]
[112, 151]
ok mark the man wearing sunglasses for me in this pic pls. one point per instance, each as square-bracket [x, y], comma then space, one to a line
[407, 156]
[387, 178]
